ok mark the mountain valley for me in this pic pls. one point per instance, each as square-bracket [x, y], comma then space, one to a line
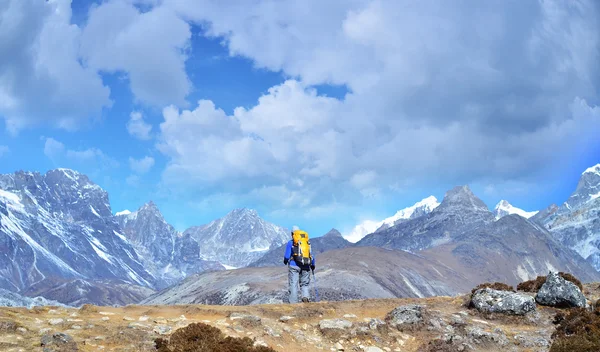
[81, 253]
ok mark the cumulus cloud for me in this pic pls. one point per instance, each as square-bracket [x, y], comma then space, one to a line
[483, 92]
[3, 150]
[149, 46]
[59, 153]
[141, 166]
[41, 77]
[50, 68]
[137, 127]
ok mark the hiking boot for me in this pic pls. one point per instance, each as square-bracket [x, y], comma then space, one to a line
[305, 300]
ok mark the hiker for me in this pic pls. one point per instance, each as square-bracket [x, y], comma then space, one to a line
[300, 261]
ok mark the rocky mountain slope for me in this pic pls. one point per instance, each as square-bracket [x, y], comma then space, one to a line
[460, 211]
[238, 239]
[60, 225]
[12, 299]
[350, 273]
[420, 208]
[576, 223]
[166, 253]
[407, 325]
[330, 241]
[504, 208]
[78, 292]
[511, 250]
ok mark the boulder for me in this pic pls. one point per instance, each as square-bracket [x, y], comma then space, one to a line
[334, 324]
[405, 315]
[58, 342]
[488, 300]
[560, 293]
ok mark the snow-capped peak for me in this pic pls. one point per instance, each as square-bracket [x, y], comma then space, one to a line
[122, 213]
[594, 170]
[504, 208]
[369, 226]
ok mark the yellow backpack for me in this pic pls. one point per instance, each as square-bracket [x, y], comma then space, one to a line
[301, 248]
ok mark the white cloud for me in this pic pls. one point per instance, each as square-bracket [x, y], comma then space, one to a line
[459, 92]
[137, 127]
[3, 150]
[41, 77]
[141, 166]
[60, 154]
[149, 46]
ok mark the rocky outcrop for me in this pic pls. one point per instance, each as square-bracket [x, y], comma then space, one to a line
[488, 300]
[405, 315]
[558, 292]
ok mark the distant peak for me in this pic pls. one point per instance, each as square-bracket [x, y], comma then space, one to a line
[504, 208]
[150, 206]
[593, 170]
[460, 190]
[463, 197]
[503, 204]
[333, 233]
[243, 211]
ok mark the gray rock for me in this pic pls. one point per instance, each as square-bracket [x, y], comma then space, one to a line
[488, 300]
[405, 315]
[478, 335]
[558, 292]
[246, 319]
[272, 332]
[285, 318]
[373, 349]
[375, 323]
[56, 321]
[162, 329]
[528, 341]
[58, 342]
[334, 324]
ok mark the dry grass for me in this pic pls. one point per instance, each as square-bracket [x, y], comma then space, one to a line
[577, 330]
[199, 337]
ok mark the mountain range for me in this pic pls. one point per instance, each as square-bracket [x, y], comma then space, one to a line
[59, 240]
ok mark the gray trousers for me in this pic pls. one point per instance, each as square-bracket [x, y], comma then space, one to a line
[297, 275]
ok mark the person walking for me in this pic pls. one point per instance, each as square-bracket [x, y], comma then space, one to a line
[300, 262]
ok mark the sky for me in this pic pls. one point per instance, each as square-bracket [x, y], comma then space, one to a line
[321, 114]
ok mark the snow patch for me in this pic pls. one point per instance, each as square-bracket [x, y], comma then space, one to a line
[11, 197]
[504, 208]
[229, 267]
[370, 226]
[94, 211]
[593, 170]
[120, 236]
[107, 257]
[412, 287]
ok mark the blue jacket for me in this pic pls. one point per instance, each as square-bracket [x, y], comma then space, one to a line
[288, 254]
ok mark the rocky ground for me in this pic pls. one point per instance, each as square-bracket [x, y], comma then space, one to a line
[367, 325]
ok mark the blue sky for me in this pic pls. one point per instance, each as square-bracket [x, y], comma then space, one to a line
[316, 114]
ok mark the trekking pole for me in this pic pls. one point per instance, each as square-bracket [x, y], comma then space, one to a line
[315, 286]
